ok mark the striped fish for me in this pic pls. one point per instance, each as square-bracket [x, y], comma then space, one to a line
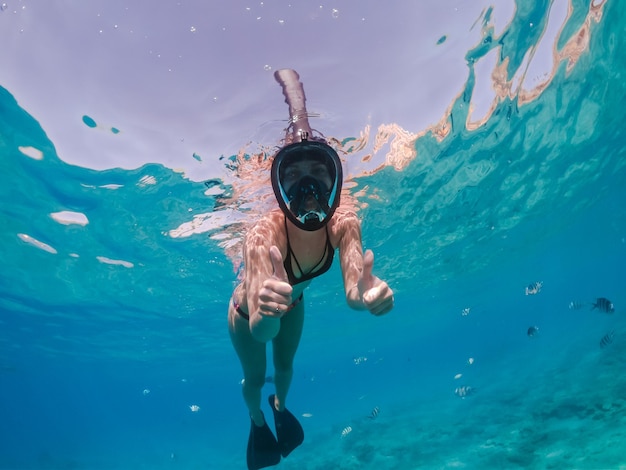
[534, 288]
[607, 339]
[576, 305]
[532, 331]
[464, 391]
[347, 430]
[604, 305]
[374, 413]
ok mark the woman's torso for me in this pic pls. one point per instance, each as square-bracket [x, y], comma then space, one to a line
[308, 255]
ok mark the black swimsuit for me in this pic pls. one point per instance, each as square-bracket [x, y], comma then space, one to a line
[324, 263]
[320, 268]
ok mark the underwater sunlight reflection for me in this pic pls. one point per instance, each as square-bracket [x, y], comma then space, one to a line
[502, 229]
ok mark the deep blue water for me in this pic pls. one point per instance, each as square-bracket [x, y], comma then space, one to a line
[112, 330]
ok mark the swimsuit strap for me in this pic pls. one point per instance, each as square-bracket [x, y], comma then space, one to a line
[291, 254]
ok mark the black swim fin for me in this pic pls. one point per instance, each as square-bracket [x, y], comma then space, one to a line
[263, 449]
[288, 430]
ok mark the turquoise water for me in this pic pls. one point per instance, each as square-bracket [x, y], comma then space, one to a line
[112, 328]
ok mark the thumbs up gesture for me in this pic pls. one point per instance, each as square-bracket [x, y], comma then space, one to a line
[376, 295]
[275, 293]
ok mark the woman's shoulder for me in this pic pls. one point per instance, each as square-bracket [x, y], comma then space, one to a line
[345, 216]
[273, 218]
[344, 221]
[269, 226]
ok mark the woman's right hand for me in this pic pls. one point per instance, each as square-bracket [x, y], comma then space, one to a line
[275, 292]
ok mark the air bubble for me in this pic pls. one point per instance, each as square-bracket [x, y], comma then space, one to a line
[267, 68]
[335, 13]
[192, 29]
[3, 7]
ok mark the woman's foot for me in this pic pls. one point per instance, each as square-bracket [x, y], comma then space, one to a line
[263, 450]
[288, 430]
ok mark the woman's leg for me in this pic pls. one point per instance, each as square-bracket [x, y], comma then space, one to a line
[285, 345]
[253, 361]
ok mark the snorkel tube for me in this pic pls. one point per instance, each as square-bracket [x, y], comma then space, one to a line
[309, 202]
[299, 128]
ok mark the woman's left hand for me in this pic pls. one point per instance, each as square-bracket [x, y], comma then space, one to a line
[376, 295]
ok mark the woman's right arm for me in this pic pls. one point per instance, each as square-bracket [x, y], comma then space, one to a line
[266, 286]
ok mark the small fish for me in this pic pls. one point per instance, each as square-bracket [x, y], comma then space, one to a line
[604, 305]
[268, 380]
[194, 408]
[607, 339]
[576, 305]
[465, 312]
[464, 391]
[307, 415]
[359, 360]
[374, 413]
[534, 288]
[347, 430]
[470, 361]
[532, 331]
[458, 376]
[146, 391]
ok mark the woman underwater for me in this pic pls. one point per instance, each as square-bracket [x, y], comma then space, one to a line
[282, 252]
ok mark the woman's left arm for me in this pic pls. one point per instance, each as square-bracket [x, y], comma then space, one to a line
[364, 291]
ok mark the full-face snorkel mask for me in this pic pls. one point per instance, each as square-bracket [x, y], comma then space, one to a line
[306, 178]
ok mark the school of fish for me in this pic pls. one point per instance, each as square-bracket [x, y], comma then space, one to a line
[601, 304]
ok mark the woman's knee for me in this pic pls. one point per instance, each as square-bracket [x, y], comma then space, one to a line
[282, 366]
[254, 381]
